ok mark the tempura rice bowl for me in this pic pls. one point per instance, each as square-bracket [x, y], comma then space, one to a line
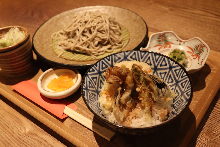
[171, 72]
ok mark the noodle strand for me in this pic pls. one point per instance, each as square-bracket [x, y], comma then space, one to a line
[90, 33]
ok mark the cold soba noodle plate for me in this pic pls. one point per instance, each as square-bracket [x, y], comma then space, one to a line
[90, 36]
[82, 36]
[150, 108]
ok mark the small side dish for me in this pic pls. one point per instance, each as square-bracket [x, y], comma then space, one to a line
[12, 37]
[192, 53]
[16, 57]
[130, 97]
[59, 83]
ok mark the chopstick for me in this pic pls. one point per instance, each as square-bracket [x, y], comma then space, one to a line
[90, 124]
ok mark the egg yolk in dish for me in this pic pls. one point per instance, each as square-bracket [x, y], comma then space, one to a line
[63, 82]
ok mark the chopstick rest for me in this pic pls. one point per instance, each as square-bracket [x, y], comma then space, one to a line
[90, 124]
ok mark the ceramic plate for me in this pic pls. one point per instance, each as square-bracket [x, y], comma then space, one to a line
[42, 39]
[196, 49]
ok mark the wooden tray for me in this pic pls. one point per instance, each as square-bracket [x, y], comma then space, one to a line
[206, 83]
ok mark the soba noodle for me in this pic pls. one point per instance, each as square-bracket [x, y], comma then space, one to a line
[90, 33]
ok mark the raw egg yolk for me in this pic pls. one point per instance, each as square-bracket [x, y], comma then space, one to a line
[63, 82]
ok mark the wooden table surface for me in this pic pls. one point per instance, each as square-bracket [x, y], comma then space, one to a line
[187, 18]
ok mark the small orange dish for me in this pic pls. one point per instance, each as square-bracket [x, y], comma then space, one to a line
[59, 83]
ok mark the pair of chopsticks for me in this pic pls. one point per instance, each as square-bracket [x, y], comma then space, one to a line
[90, 124]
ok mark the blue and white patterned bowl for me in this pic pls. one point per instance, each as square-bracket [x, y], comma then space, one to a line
[164, 67]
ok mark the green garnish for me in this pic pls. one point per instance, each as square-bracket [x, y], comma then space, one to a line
[13, 36]
[179, 56]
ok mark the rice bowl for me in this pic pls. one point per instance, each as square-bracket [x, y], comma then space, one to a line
[171, 72]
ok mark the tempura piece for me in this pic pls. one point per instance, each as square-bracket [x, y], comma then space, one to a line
[131, 98]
